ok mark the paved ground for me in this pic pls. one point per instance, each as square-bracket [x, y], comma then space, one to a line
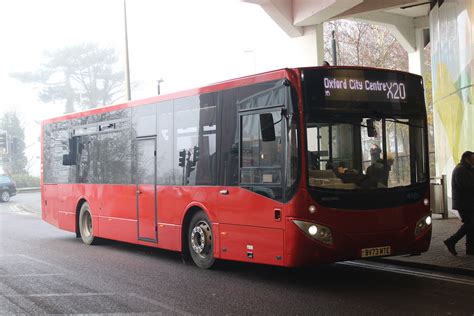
[437, 257]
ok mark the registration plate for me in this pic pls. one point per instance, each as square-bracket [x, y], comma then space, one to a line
[376, 251]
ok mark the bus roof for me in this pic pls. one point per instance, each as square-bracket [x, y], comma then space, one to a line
[223, 85]
[228, 84]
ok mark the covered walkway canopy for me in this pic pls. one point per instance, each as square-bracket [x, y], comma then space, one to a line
[406, 19]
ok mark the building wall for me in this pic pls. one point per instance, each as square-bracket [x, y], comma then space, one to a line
[452, 40]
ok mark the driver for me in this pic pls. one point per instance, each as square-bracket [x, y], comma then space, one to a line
[379, 172]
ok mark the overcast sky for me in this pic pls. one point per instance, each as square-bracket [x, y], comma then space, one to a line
[186, 43]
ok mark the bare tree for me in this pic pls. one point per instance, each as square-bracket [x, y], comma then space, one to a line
[363, 44]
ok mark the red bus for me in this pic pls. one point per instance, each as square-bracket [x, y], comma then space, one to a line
[291, 167]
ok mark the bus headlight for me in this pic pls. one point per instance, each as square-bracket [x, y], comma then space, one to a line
[313, 230]
[422, 225]
[316, 231]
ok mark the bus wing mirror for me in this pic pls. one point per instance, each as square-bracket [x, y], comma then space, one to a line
[371, 131]
[267, 127]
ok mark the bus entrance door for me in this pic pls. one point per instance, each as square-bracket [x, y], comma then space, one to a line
[146, 189]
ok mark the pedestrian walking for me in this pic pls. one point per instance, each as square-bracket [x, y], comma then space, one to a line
[462, 184]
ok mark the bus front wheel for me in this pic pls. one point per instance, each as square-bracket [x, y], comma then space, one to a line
[201, 241]
[85, 224]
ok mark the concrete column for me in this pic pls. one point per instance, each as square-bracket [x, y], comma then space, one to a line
[319, 44]
[416, 59]
[306, 50]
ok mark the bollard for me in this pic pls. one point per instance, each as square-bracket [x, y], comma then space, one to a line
[439, 196]
[445, 196]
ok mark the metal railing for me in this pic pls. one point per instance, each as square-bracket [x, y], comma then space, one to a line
[439, 196]
[28, 190]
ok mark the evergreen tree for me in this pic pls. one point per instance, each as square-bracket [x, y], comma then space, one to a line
[82, 76]
[15, 161]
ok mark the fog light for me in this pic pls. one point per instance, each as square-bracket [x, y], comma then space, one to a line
[312, 209]
[426, 202]
[312, 230]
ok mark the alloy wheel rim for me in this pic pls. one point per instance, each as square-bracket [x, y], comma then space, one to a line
[201, 239]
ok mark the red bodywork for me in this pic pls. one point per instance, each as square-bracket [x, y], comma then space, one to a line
[245, 225]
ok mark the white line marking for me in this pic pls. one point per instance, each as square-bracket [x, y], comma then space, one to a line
[27, 259]
[42, 262]
[33, 275]
[162, 305]
[419, 274]
[14, 208]
[17, 209]
[61, 294]
[148, 300]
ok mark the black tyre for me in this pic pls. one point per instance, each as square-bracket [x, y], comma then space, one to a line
[5, 196]
[201, 241]
[86, 228]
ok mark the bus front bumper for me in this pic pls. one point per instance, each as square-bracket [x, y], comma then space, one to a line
[302, 250]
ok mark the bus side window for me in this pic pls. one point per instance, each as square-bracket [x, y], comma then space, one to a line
[195, 127]
[229, 144]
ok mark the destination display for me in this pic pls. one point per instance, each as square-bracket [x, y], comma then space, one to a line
[340, 88]
[362, 89]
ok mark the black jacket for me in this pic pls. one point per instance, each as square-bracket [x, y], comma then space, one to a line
[462, 184]
[377, 174]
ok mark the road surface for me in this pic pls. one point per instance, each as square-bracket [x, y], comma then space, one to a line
[44, 270]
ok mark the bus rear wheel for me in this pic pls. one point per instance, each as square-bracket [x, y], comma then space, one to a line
[201, 241]
[86, 228]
